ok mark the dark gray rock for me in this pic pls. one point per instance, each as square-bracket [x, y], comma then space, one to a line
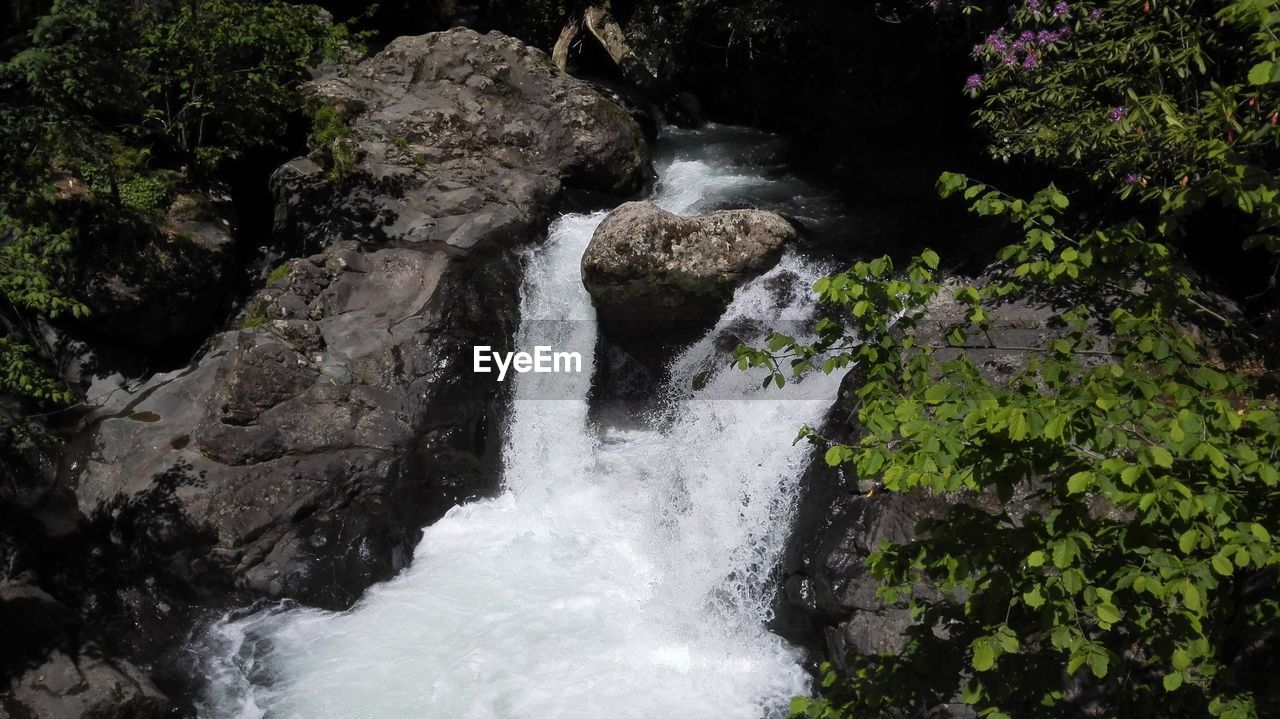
[54, 671]
[645, 263]
[459, 137]
[173, 280]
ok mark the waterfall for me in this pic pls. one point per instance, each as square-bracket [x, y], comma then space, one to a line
[622, 572]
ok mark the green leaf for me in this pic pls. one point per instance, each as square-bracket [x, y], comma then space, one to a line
[1161, 457]
[1187, 542]
[930, 258]
[1172, 681]
[1191, 597]
[1260, 74]
[835, 455]
[1260, 533]
[1036, 559]
[1098, 664]
[1080, 482]
[984, 656]
[1008, 641]
[1107, 613]
[1181, 660]
[1076, 661]
[1063, 553]
[1018, 426]
[1222, 565]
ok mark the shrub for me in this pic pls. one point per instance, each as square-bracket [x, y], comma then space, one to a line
[1140, 579]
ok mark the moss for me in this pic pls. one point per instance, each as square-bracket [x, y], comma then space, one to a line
[253, 320]
[278, 274]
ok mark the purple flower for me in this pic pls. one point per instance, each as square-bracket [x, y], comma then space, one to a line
[1033, 6]
[1010, 59]
[974, 82]
[1095, 14]
[1031, 61]
[996, 41]
[1026, 37]
[1119, 113]
[1133, 178]
[1060, 9]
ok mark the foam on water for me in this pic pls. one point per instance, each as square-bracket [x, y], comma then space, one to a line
[622, 573]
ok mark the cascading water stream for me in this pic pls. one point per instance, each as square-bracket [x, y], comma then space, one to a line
[621, 573]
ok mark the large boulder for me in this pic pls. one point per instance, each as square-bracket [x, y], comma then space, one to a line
[645, 264]
[458, 137]
[308, 445]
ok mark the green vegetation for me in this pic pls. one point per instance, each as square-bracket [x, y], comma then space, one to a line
[113, 107]
[253, 320]
[1136, 576]
[278, 274]
[331, 141]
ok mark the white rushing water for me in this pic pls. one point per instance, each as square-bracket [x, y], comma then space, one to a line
[621, 573]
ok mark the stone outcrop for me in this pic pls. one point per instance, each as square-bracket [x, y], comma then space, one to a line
[646, 264]
[828, 599]
[458, 137]
[311, 442]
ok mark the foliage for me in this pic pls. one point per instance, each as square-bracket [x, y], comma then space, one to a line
[279, 273]
[1109, 547]
[757, 24]
[110, 110]
[221, 74]
[21, 375]
[1170, 101]
[1150, 471]
[203, 82]
[331, 141]
[253, 320]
